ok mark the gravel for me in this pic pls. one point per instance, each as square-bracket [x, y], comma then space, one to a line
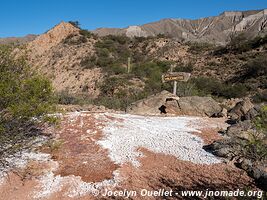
[168, 135]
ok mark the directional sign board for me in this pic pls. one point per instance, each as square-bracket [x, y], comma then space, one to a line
[176, 76]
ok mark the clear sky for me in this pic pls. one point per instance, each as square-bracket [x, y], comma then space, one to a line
[21, 17]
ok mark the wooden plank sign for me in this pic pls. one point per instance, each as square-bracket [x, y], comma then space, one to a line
[175, 76]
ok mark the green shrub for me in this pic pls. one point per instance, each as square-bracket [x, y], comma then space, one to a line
[116, 69]
[151, 73]
[87, 34]
[256, 146]
[111, 84]
[187, 89]
[88, 62]
[260, 97]
[25, 100]
[241, 43]
[198, 47]
[107, 44]
[64, 97]
[120, 39]
[207, 85]
[22, 93]
[75, 39]
[256, 67]
[261, 121]
[151, 70]
[112, 50]
[233, 91]
[117, 92]
[214, 87]
[184, 68]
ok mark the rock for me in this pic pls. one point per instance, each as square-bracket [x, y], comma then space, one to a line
[240, 129]
[259, 173]
[194, 105]
[240, 110]
[222, 148]
[198, 106]
[256, 170]
[232, 149]
[246, 164]
[262, 180]
[252, 113]
[149, 105]
[223, 113]
[230, 103]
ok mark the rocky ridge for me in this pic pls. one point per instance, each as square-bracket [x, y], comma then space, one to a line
[52, 55]
[210, 29]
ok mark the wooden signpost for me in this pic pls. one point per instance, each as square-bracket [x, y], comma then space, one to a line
[175, 76]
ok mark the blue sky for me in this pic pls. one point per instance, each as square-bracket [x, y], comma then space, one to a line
[21, 17]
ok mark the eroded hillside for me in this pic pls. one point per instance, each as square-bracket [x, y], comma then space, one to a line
[80, 63]
[210, 29]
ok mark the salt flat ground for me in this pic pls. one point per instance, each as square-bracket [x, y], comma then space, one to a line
[97, 151]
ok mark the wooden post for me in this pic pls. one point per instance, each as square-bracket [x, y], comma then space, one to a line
[129, 65]
[174, 87]
[174, 91]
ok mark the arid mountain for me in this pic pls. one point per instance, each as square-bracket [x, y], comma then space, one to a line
[211, 29]
[82, 63]
[18, 40]
[59, 60]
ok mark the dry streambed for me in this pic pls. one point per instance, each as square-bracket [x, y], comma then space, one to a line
[95, 151]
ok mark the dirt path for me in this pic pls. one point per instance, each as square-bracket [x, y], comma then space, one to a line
[94, 152]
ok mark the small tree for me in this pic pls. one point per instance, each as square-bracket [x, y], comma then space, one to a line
[75, 23]
[25, 99]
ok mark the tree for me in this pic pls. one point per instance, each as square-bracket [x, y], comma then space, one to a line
[25, 100]
[75, 23]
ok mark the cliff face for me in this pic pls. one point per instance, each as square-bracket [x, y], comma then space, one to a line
[211, 29]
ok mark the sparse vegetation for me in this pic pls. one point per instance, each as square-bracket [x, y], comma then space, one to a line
[184, 68]
[112, 53]
[88, 34]
[256, 67]
[198, 47]
[74, 39]
[25, 99]
[255, 147]
[260, 97]
[88, 62]
[241, 43]
[212, 86]
[112, 50]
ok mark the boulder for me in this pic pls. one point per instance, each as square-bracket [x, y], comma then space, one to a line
[251, 114]
[225, 148]
[149, 105]
[223, 113]
[198, 106]
[241, 129]
[167, 103]
[230, 103]
[238, 113]
[233, 149]
[258, 171]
